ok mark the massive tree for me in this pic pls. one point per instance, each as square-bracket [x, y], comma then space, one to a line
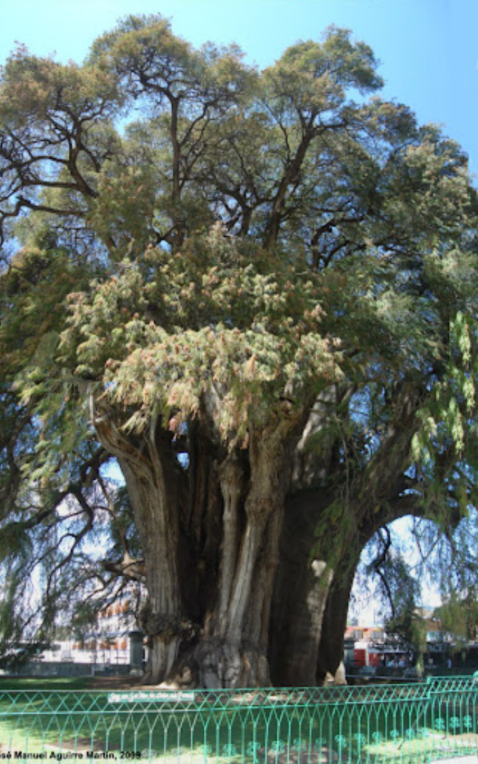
[256, 293]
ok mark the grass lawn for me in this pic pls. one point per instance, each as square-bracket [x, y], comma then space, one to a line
[50, 684]
[46, 684]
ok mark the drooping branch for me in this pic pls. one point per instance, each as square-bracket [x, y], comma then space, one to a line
[380, 560]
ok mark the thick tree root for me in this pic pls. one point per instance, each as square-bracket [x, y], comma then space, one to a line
[224, 665]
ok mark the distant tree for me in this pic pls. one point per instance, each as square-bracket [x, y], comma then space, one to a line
[400, 592]
[459, 618]
[256, 293]
[458, 613]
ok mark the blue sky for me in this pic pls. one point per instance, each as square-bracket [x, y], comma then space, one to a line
[428, 48]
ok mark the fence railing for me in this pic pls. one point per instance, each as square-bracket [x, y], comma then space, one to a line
[370, 724]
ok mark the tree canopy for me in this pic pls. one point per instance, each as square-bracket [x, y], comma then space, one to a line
[255, 292]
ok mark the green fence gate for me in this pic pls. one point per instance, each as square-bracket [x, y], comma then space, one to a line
[420, 722]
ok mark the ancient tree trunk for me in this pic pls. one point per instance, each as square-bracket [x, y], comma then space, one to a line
[300, 594]
[221, 640]
[219, 604]
[311, 595]
[324, 534]
[234, 650]
[330, 653]
[153, 494]
[311, 599]
[222, 611]
[161, 618]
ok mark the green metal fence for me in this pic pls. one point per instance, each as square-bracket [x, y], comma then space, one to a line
[370, 724]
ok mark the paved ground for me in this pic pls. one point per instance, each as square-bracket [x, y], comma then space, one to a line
[118, 683]
[457, 760]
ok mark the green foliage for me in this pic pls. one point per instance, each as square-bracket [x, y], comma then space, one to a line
[458, 617]
[217, 319]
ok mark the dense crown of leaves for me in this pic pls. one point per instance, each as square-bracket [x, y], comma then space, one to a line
[169, 332]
